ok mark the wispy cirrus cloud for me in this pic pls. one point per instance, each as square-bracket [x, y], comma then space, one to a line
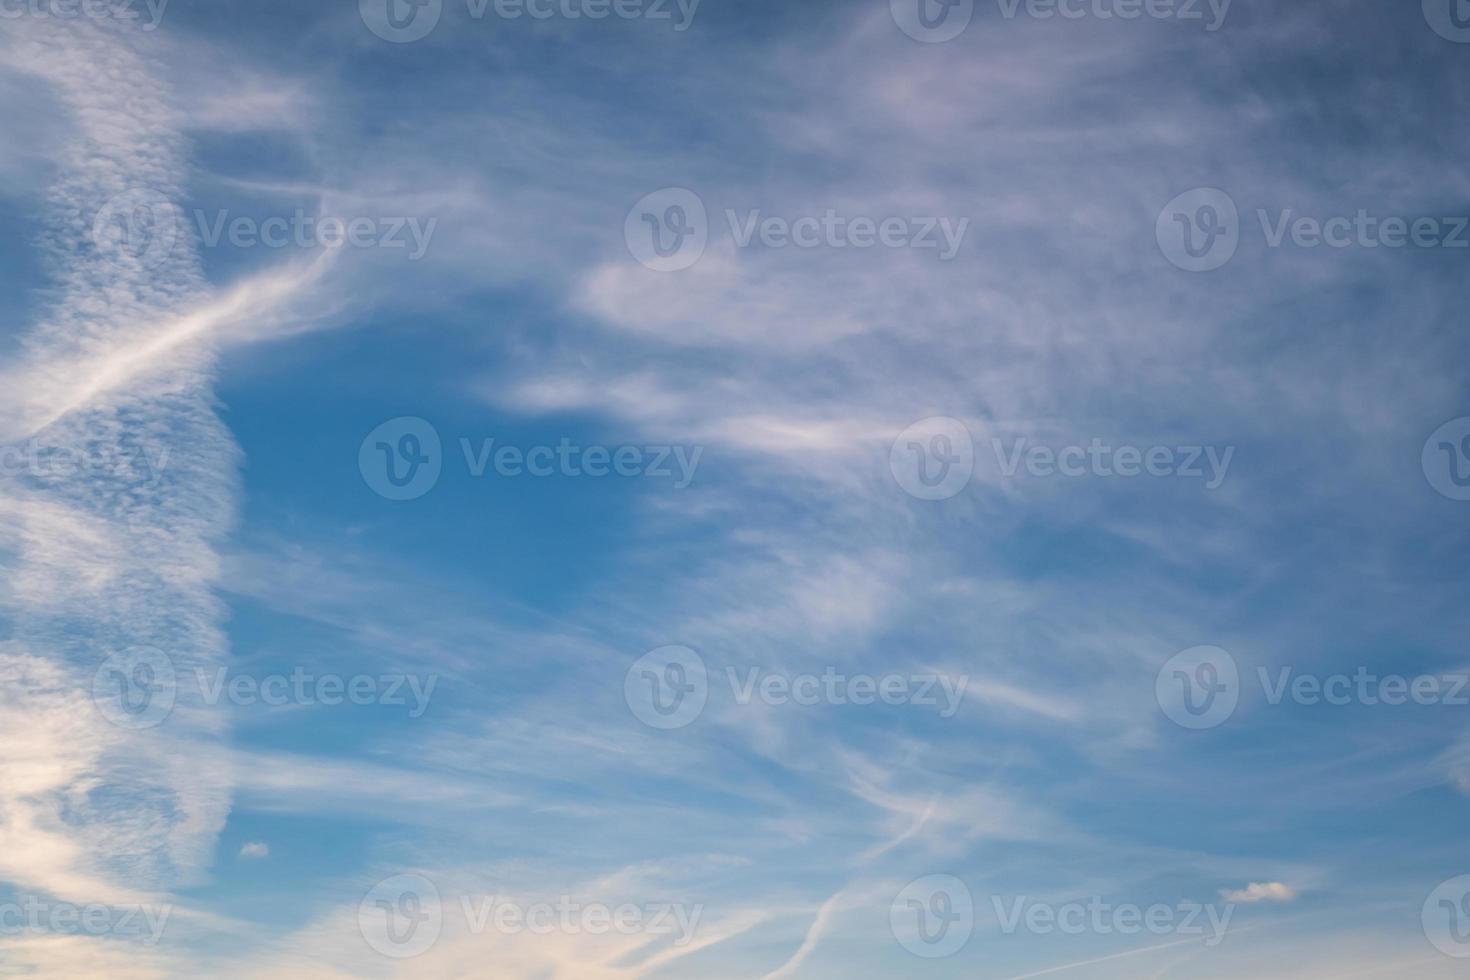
[1058, 320]
[104, 562]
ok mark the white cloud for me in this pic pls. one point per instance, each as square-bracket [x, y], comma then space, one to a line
[1273, 891]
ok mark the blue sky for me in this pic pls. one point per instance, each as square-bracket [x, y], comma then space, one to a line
[962, 490]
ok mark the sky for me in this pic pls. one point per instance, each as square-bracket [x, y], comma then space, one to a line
[616, 489]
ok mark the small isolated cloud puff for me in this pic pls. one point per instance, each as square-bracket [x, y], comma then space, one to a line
[255, 849]
[1273, 891]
